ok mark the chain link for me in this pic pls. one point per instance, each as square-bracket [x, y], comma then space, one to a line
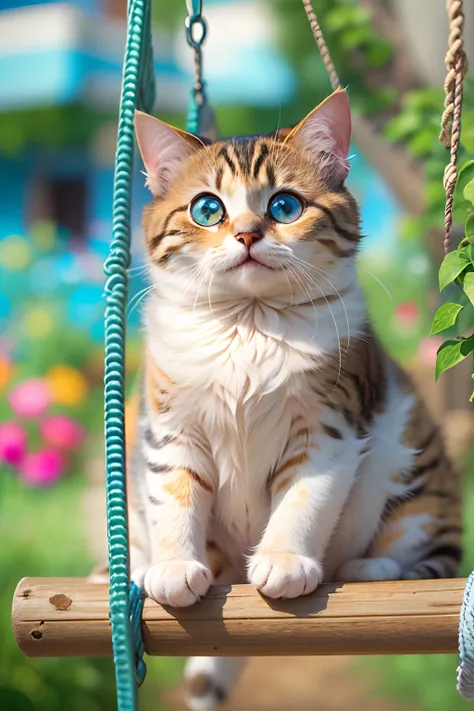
[196, 31]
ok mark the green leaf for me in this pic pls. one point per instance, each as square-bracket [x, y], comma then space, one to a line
[469, 226]
[421, 143]
[451, 353]
[445, 317]
[468, 286]
[468, 191]
[469, 252]
[453, 264]
[423, 99]
[379, 53]
[461, 205]
[403, 126]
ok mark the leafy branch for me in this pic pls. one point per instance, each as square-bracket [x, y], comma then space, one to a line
[457, 274]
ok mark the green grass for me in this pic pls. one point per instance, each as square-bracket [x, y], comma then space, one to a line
[41, 534]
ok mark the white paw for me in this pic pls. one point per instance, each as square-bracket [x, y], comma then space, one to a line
[284, 574]
[178, 583]
[138, 575]
[364, 570]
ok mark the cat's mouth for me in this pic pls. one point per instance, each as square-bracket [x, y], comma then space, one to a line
[249, 262]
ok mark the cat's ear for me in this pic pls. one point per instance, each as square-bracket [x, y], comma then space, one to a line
[163, 150]
[326, 133]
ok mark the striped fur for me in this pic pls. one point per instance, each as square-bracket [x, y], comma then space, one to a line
[275, 441]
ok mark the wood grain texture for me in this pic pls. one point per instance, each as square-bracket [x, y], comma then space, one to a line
[69, 617]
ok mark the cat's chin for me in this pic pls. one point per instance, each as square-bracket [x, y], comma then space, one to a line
[250, 264]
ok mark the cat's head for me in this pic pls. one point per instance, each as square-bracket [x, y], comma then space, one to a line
[259, 217]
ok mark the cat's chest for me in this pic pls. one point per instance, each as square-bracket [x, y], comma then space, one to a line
[247, 440]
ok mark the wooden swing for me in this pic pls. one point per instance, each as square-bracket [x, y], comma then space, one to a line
[72, 617]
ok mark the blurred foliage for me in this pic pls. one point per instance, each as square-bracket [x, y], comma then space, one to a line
[355, 46]
[48, 127]
[49, 541]
[417, 126]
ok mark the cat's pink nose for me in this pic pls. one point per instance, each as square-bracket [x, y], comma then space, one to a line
[248, 238]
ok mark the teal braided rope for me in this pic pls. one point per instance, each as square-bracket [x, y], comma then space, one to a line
[137, 599]
[147, 89]
[192, 119]
[116, 290]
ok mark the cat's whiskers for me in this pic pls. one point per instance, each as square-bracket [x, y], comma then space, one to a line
[139, 269]
[201, 284]
[378, 282]
[196, 271]
[339, 348]
[137, 299]
[323, 275]
[304, 287]
[209, 292]
[291, 289]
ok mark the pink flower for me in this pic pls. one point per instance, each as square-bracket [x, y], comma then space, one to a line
[30, 398]
[12, 443]
[62, 432]
[43, 467]
[407, 313]
[428, 348]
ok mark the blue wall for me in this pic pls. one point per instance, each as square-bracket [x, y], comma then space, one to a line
[13, 194]
[84, 4]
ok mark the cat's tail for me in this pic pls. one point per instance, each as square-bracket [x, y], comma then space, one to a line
[208, 681]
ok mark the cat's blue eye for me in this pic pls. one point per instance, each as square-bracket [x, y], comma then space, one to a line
[285, 208]
[207, 211]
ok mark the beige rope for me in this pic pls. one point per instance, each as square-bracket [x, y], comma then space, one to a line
[322, 46]
[456, 64]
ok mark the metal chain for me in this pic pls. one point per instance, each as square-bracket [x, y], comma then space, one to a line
[196, 30]
[321, 42]
[456, 64]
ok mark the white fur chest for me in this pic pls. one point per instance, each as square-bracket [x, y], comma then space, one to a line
[245, 415]
[240, 371]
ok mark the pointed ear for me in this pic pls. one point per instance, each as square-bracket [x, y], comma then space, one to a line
[163, 150]
[326, 133]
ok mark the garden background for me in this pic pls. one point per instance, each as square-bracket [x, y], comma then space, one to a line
[59, 90]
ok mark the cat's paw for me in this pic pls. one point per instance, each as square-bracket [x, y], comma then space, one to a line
[285, 575]
[364, 570]
[178, 583]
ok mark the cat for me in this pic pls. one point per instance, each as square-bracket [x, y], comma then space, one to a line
[276, 442]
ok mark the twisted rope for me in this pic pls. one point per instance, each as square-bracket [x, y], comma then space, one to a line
[321, 42]
[137, 69]
[456, 64]
[466, 643]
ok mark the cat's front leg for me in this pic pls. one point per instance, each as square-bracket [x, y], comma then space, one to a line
[181, 485]
[309, 488]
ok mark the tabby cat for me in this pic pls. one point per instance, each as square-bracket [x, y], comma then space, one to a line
[276, 442]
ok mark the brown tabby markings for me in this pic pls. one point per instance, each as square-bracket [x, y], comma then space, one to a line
[295, 461]
[331, 431]
[356, 386]
[254, 161]
[157, 382]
